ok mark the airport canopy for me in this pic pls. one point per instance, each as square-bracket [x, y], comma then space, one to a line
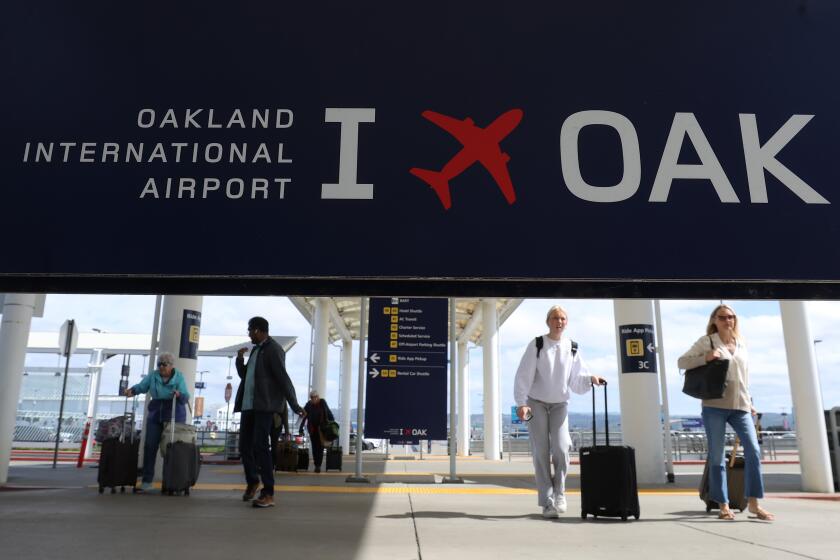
[344, 315]
[137, 344]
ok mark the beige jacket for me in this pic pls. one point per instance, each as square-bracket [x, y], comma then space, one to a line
[737, 394]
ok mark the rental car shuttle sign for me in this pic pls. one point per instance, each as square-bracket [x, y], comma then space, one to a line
[406, 367]
[663, 141]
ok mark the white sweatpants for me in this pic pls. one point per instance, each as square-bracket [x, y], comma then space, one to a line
[550, 444]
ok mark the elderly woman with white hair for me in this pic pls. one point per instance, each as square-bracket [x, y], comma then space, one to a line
[550, 371]
[161, 384]
[316, 412]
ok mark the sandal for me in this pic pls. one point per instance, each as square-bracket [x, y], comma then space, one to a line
[763, 514]
[728, 514]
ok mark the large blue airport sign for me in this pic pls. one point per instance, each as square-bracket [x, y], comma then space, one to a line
[600, 140]
[406, 368]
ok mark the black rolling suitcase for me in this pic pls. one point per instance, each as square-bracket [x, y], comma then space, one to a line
[608, 476]
[734, 482]
[285, 456]
[334, 457]
[303, 456]
[119, 457]
[181, 463]
[118, 464]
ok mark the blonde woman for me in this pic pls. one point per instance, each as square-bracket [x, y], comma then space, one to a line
[723, 341]
[551, 369]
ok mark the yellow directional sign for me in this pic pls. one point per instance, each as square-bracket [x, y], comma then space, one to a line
[635, 347]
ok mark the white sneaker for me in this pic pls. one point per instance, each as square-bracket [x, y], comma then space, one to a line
[560, 504]
[550, 512]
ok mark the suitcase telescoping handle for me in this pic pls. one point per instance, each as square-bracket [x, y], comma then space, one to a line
[606, 418]
[734, 452]
[125, 422]
[172, 420]
[133, 415]
[172, 417]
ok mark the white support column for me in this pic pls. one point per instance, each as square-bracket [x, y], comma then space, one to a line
[95, 370]
[641, 425]
[805, 391]
[321, 340]
[346, 386]
[490, 353]
[14, 336]
[463, 400]
[172, 325]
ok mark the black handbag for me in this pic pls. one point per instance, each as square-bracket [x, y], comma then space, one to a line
[707, 381]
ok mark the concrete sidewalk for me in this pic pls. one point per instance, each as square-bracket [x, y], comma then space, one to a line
[405, 512]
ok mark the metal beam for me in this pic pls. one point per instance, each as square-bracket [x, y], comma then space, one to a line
[507, 309]
[472, 324]
[303, 307]
[48, 369]
[338, 322]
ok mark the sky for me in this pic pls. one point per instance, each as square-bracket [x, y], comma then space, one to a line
[591, 324]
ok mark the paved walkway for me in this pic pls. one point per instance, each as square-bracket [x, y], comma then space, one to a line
[405, 512]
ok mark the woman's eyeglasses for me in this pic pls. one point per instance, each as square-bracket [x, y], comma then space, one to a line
[162, 364]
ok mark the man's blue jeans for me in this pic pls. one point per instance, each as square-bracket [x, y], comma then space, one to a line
[254, 433]
[715, 420]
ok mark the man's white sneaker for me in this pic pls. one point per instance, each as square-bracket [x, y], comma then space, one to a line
[550, 512]
[560, 504]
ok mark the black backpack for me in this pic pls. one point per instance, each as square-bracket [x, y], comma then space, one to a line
[539, 343]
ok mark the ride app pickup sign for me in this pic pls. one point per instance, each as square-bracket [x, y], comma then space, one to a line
[638, 348]
[406, 369]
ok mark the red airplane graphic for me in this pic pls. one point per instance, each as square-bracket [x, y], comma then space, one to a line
[480, 145]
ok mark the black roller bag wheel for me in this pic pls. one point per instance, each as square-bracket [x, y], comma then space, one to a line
[118, 464]
[734, 482]
[608, 476]
[334, 456]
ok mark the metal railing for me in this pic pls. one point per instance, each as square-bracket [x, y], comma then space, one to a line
[685, 445]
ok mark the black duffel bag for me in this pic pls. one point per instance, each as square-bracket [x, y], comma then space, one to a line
[707, 381]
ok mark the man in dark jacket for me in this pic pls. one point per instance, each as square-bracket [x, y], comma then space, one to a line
[264, 390]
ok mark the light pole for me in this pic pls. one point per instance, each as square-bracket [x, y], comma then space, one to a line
[479, 395]
[816, 359]
[201, 380]
[817, 364]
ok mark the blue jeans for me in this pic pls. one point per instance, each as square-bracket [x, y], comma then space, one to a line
[154, 429]
[715, 420]
[254, 434]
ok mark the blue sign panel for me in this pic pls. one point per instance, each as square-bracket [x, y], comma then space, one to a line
[648, 136]
[692, 423]
[637, 346]
[406, 367]
[190, 329]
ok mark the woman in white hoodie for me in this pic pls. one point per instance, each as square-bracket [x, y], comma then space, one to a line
[550, 370]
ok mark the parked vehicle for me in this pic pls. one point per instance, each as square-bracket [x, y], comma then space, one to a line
[367, 445]
[31, 432]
